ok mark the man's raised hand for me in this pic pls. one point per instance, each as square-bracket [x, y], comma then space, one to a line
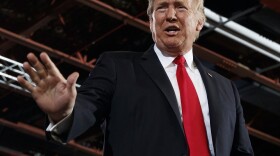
[52, 92]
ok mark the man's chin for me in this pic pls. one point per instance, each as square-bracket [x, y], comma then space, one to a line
[173, 49]
[174, 46]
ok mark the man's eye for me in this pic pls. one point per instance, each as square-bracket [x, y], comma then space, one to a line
[161, 9]
[181, 8]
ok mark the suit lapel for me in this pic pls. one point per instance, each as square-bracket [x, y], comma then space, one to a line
[154, 69]
[208, 80]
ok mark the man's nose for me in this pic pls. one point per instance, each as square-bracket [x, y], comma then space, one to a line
[171, 15]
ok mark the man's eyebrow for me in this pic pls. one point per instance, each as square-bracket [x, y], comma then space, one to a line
[179, 3]
[162, 3]
[176, 3]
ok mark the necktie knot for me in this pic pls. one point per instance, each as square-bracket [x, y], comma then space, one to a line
[179, 60]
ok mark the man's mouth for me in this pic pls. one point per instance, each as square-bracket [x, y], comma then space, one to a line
[172, 30]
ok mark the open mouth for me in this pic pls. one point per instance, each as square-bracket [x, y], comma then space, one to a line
[172, 30]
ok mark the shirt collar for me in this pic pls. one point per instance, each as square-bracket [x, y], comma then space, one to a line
[167, 60]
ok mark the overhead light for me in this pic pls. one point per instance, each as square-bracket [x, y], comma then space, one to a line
[274, 48]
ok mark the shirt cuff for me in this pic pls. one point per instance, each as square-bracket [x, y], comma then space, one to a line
[59, 128]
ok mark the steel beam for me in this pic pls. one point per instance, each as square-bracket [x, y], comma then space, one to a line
[39, 133]
[234, 67]
[42, 22]
[264, 136]
[117, 14]
[10, 152]
[38, 47]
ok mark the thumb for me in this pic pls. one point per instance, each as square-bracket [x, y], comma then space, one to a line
[71, 81]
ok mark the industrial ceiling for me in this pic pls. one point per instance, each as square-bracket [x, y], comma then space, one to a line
[241, 40]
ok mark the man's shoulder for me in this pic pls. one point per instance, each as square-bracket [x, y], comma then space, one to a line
[210, 71]
[218, 75]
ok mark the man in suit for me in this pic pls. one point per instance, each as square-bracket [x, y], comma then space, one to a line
[142, 96]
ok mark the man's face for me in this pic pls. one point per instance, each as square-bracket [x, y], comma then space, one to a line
[174, 25]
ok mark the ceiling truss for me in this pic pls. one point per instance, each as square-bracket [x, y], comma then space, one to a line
[8, 80]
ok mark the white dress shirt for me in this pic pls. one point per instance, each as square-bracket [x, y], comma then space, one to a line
[170, 69]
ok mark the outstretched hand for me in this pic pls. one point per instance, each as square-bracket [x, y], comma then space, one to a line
[52, 92]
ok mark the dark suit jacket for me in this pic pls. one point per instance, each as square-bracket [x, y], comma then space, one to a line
[132, 92]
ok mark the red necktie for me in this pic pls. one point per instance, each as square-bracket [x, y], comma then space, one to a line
[192, 115]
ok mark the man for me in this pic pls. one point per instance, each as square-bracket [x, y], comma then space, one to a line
[151, 105]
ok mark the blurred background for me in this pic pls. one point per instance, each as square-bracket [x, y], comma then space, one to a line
[240, 40]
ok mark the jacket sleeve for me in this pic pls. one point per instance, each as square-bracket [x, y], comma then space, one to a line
[241, 143]
[93, 99]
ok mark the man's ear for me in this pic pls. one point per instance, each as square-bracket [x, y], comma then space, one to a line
[152, 27]
[151, 23]
[200, 24]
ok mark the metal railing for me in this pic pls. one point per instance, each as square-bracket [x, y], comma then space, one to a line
[9, 70]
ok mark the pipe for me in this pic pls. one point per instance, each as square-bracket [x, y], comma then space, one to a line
[40, 47]
[39, 133]
[116, 13]
[270, 48]
[263, 136]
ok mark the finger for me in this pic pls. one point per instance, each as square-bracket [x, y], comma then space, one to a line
[33, 74]
[50, 66]
[71, 82]
[25, 84]
[40, 69]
